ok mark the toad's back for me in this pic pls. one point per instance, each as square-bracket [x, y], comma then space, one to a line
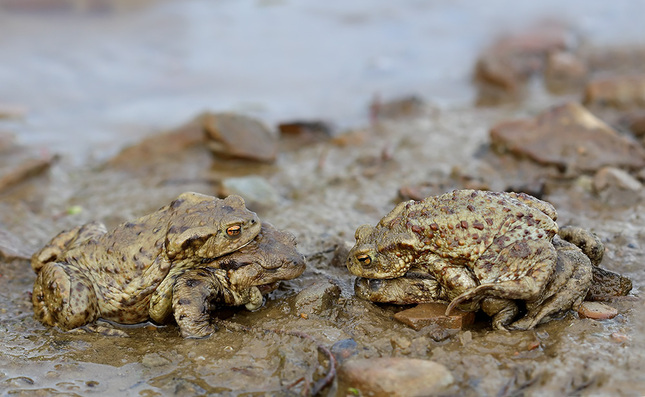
[464, 223]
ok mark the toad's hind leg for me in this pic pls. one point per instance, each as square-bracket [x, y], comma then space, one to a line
[63, 296]
[563, 295]
[588, 242]
[502, 311]
[65, 241]
[521, 271]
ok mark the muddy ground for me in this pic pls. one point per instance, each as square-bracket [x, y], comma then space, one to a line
[325, 189]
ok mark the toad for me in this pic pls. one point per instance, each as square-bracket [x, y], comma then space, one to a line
[477, 250]
[126, 275]
[239, 278]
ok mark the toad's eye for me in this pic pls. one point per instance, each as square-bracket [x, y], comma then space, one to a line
[364, 259]
[234, 231]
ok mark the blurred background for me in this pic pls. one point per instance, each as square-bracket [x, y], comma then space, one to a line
[86, 77]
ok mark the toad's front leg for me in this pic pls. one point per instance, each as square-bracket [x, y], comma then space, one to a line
[196, 290]
[191, 296]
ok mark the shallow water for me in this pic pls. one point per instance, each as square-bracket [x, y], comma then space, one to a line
[93, 79]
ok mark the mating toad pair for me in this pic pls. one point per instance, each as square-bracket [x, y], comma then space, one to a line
[178, 261]
[502, 253]
[499, 252]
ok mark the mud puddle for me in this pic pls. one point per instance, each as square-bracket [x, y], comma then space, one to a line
[325, 191]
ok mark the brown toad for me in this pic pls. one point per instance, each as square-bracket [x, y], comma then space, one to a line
[564, 291]
[86, 273]
[239, 278]
[481, 250]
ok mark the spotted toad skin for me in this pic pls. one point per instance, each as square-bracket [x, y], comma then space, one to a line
[579, 254]
[88, 272]
[486, 249]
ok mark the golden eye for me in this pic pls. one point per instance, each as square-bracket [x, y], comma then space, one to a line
[364, 259]
[234, 231]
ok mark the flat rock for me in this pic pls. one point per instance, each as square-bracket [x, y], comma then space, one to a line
[18, 163]
[616, 187]
[569, 137]
[11, 247]
[231, 135]
[425, 314]
[394, 376]
[156, 149]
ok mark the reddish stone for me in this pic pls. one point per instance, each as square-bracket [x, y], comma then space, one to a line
[596, 311]
[426, 314]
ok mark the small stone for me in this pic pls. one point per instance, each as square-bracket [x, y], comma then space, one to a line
[619, 337]
[610, 177]
[152, 360]
[407, 106]
[596, 311]
[616, 187]
[466, 338]
[11, 247]
[256, 191]
[317, 298]
[425, 314]
[564, 72]
[344, 349]
[393, 376]
[232, 135]
[400, 341]
[301, 127]
[621, 91]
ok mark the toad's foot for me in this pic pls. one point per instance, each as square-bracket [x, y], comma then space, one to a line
[255, 299]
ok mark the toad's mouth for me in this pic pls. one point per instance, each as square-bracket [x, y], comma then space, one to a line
[266, 288]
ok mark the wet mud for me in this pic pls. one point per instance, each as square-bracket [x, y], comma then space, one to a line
[320, 189]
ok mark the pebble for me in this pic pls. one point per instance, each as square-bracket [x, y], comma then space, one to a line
[425, 314]
[344, 349]
[302, 127]
[257, 192]
[317, 298]
[617, 187]
[230, 135]
[621, 91]
[596, 311]
[152, 360]
[565, 72]
[394, 376]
